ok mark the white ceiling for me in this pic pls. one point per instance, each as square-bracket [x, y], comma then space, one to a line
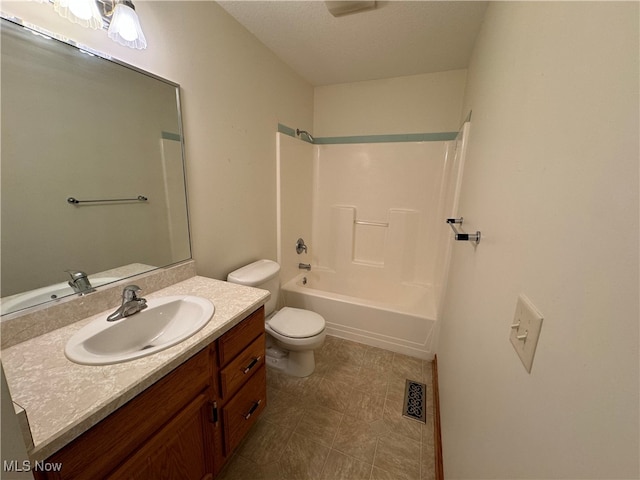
[395, 39]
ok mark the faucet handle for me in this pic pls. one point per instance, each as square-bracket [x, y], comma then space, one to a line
[300, 246]
[129, 293]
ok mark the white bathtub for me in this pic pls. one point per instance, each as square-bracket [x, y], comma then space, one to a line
[399, 317]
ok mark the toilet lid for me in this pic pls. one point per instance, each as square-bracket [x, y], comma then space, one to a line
[297, 323]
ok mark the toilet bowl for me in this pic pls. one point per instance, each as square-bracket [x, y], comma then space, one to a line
[292, 333]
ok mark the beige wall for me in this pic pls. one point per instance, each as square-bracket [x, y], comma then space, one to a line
[414, 104]
[551, 180]
[234, 92]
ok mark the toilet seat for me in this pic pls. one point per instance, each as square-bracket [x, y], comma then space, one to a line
[297, 323]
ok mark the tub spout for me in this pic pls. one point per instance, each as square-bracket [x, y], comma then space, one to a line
[304, 266]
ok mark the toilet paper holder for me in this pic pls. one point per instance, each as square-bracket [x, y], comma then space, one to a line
[460, 236]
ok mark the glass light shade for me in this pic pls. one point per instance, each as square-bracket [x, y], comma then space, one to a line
[125, 28]
[82, 12]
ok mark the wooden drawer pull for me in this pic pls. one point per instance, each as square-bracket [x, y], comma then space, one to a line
[252, 364]
[252, 409]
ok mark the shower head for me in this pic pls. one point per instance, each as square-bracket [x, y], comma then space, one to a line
[300, 132]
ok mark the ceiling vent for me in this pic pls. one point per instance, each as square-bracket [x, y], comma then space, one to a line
[339, 8]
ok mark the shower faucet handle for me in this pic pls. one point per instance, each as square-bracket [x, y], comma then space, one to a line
[300, 246]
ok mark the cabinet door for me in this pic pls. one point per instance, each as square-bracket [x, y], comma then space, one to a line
[180, 450]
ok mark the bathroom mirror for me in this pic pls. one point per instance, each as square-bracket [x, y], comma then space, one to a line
[77, 125]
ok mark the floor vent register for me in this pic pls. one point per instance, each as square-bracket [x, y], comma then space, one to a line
[415, 401]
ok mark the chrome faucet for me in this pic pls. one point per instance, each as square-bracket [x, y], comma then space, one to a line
[80, 282]
[304, 266]
[130, 303]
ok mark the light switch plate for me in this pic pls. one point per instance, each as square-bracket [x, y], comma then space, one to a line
[525, 330]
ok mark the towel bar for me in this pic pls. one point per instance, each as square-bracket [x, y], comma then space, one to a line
[139, 198]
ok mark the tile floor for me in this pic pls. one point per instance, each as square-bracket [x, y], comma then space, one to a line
[342, 422]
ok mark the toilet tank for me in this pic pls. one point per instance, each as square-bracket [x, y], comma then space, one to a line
[263, 274]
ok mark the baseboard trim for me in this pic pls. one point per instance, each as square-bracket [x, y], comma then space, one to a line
[437, 432]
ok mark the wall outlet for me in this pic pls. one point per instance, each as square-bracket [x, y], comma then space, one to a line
[525, 330]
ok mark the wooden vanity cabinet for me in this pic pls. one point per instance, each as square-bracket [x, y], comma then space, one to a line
[184, 426]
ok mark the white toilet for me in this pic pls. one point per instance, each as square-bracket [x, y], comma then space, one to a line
[292, 333]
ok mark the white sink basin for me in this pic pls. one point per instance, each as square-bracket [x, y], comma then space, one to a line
[166, 321]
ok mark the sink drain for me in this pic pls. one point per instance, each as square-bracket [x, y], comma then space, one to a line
[415, 401]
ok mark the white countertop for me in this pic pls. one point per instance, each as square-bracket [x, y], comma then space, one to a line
[63, 399]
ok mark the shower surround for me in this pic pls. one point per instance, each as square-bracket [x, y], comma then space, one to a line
[374, 219]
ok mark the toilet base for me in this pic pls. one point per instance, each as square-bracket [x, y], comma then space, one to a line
[279, 363]
[301, 364]
[296, 364]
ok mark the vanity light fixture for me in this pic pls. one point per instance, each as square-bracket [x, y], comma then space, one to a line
[82, 12]
[125, 26]
[118, 15]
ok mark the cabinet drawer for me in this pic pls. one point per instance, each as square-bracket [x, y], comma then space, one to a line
[236, 339]
[244, 409]
[242, 367]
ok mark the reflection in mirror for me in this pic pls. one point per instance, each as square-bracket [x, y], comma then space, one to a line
[78, 125]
